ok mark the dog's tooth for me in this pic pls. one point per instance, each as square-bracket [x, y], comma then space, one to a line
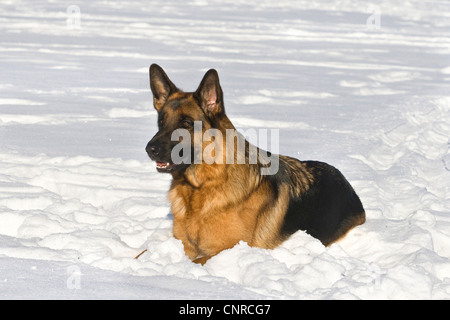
[162, 165]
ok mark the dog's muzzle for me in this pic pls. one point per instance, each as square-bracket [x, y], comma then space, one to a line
[154, 152]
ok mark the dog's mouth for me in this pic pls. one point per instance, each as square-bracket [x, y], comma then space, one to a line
[163, 166]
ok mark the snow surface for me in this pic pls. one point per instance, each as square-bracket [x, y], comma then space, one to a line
[362, 86]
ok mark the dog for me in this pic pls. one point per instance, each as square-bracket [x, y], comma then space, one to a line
[216, 204]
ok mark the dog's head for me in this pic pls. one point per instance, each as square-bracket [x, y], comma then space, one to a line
[182, 110]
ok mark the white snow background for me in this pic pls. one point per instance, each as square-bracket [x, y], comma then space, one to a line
[361, 85]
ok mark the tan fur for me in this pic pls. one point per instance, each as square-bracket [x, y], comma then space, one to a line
[215, 214]
[347, 227]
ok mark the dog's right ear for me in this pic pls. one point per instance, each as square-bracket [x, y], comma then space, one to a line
[210, 95]
[160, 85]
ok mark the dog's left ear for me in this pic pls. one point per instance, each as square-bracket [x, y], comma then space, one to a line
[209, 94]
[160, 85]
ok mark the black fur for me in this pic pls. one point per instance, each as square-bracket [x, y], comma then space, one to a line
[327, 209]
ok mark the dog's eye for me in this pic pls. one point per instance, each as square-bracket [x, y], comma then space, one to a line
[187, 123]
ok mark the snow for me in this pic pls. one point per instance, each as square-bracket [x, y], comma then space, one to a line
[79, 199]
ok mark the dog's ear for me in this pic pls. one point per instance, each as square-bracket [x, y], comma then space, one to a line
[209, 94]
[160, 85]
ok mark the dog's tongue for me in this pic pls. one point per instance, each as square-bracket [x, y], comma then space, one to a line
[162, 164]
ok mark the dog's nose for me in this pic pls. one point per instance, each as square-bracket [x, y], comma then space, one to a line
[152, 150]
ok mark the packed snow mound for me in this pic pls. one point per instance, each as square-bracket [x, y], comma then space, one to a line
[361, 87]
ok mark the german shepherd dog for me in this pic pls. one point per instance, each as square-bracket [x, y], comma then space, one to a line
[216, 205]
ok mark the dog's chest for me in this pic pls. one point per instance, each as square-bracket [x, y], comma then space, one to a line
[203, 227]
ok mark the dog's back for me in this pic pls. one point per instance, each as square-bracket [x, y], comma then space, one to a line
[322, 202]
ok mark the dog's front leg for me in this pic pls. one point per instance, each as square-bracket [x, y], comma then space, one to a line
[202, 260]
